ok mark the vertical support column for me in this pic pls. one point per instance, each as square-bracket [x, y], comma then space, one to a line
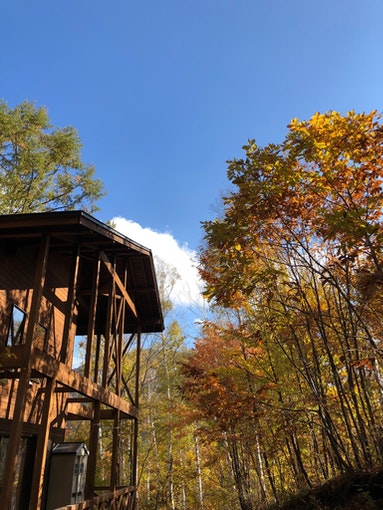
[92, 460]
[108, 333]
[92, 319]
[119, 335]
[97, 359]
[135, 420]
[41, 448]
[66, 353]
[22, 390]
[115, 474]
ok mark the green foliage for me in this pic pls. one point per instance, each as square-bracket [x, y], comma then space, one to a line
[40, 166]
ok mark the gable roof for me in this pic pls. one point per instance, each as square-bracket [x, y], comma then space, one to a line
[69, 228]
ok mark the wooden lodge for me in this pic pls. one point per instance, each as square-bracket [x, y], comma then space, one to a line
[68, 280]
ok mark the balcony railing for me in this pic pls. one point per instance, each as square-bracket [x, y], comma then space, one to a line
[122, 499]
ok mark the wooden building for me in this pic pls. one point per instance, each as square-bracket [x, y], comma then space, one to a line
[68, 280]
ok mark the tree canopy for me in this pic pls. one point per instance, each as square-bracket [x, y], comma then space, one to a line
[40, 166]
[322, 186]
[295, 264]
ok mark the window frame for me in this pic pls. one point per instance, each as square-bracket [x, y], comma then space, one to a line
[15, 337]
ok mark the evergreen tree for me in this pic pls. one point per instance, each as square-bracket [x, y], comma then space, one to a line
[40, 166]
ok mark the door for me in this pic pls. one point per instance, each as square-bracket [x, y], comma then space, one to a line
[23, 480]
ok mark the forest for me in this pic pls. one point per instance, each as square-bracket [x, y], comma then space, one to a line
[277, 404]
[281, 393]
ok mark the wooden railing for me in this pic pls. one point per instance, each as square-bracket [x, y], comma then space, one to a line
[122, 499]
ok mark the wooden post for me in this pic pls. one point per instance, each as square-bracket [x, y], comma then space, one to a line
[121, 329]
[22, 390]
[97, 359]
[66, 354]
[41, 448]
[135, 421]
[92, 460]
[108, 334]
[106, 356]
[115, 474]
[43, 436]
[119, 283]
[92, 318]
[119, 334]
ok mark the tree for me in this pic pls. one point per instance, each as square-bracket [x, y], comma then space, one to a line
[40, 166]
[321, 187]
[298, 254]
[223, 383]
[168, 457]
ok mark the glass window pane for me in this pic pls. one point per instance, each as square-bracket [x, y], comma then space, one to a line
[16, 326]
[40, 337]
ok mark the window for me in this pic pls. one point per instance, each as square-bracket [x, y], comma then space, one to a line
[16, 326]
[40, 337]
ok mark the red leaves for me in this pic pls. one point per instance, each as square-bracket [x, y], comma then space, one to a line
[367, 363]
[218, 379]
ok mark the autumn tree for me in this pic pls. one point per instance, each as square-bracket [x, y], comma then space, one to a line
[298, 252]
[226, 389]
[170, 466]
[40, 166]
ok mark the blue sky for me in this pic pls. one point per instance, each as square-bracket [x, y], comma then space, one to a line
[164, 92]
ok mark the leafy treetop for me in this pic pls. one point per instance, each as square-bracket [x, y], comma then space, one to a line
[40, 166]
[322, 185]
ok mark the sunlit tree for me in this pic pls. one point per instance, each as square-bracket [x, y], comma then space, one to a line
[40, 166]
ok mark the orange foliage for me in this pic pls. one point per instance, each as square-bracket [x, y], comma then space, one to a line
[219, 379]
[320, 187]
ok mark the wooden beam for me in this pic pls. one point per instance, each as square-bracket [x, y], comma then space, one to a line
[120, 338]
[42, 446]
[108, 334]
[134, 475]
[92, 318]
[50, 367]
[97, 359]
[77, 411]
[115, 471]
[94, 437]
[121, 498]
[67, 345]
[119, 283]
[108, 414]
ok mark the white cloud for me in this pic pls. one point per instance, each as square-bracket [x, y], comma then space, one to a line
[187, 290]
